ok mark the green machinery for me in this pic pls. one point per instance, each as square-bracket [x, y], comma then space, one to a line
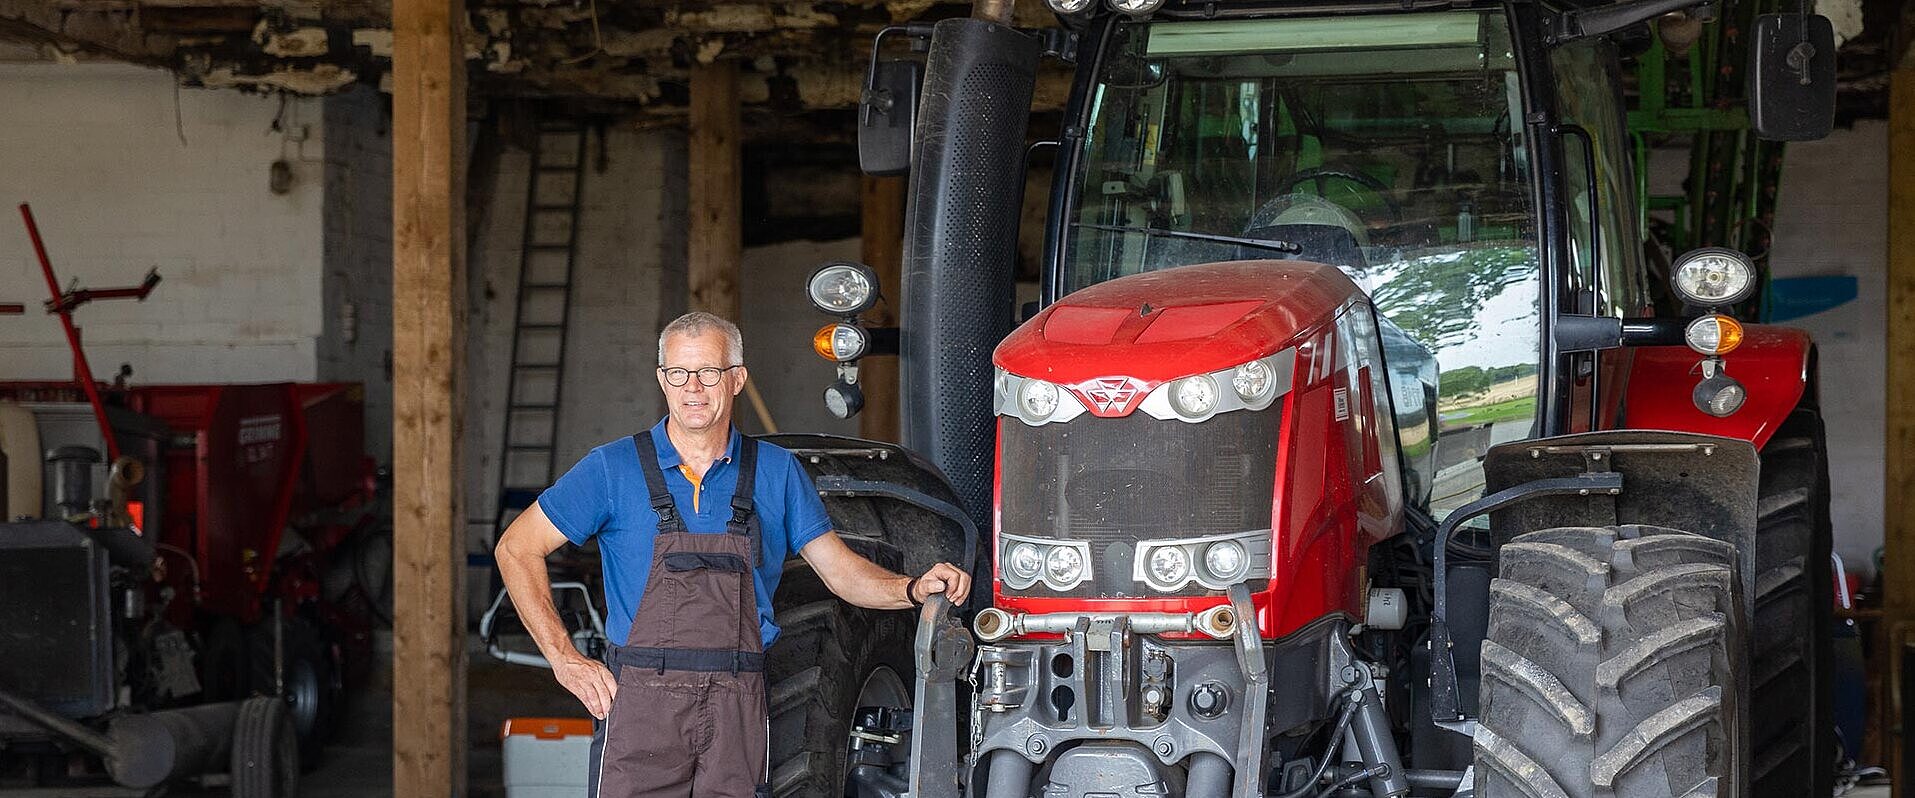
[1690, 85]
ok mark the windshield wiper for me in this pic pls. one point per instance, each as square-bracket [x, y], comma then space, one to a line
[1285, 247]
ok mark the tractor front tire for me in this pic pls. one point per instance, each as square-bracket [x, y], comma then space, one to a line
[1612, 667]
[829, 657]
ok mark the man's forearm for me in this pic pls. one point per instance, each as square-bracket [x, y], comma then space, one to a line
[531, 590]
[870, 585]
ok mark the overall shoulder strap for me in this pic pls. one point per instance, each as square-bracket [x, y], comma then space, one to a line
[660, 494]
[743, 512]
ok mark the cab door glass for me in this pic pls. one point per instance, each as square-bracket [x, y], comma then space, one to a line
[1588, 97]
[1583, 290]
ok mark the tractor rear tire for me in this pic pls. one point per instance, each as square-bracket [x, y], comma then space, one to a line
[265, 760]
[1611, 667]
[827, 654]
[1792, 721]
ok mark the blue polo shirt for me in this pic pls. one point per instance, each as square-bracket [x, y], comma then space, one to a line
[604, 496]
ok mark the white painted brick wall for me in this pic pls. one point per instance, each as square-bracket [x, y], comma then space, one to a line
[1832, 219]
[356, 342]
[94, 149]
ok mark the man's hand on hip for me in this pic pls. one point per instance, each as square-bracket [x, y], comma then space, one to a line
[941, 578]
[588, 680]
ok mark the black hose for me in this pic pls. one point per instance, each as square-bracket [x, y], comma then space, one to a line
[1344, 719]
[1353, 778]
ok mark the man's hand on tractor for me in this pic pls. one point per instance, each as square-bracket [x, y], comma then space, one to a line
[941, 578]
[588, 680]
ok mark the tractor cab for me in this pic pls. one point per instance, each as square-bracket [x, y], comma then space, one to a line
[1395, 146]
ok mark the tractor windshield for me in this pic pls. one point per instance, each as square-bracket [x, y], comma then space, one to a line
[1389, 145]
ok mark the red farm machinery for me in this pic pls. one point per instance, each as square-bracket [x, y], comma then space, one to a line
[177, 596]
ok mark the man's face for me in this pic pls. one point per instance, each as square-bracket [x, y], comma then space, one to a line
[694, 405]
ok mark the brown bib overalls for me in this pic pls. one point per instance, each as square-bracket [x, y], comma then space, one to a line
[690, 717]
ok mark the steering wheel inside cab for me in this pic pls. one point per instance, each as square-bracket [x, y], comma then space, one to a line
[1364, 195]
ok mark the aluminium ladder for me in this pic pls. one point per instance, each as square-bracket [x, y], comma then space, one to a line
[548, 250]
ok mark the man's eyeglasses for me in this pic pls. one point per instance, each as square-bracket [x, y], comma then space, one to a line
[708, 376]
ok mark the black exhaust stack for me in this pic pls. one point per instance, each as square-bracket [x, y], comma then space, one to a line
[960, 243]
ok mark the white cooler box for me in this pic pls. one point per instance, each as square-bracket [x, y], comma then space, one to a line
[547, 757]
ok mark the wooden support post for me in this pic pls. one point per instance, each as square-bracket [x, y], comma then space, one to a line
[1898, 579]
[714, 240]
[882, 248]
[714, 245]
[428, 332]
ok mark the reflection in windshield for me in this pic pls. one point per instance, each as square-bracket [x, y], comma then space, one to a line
[1382, 144]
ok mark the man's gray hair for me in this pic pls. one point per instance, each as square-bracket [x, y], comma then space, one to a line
[699, 322]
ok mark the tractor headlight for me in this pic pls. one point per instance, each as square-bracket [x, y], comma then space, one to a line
[1713, 276]
[1063, 568]
[843, 288]
[1136, 8]
[840, 342]
[1037, 400]
[1714, 334]
[1719, 395]
[1025, 561]
[1213, 561]
[1068, 7]
[1252, 385]
[1169, 565]
[1194, 397]
[1255, 383]
[1225, 560]
[844, 399]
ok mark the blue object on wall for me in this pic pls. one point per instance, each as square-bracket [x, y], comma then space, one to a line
[1795, 297]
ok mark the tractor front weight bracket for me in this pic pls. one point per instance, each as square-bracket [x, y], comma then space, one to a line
[1256, 684]
[942, 651]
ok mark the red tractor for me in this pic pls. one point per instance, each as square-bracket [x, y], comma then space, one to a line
[1346, 455]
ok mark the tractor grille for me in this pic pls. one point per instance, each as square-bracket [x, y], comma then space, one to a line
[55, 622]
[1114, 481]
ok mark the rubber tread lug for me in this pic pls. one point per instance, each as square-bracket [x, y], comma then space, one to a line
[1776, 578]
[1660, 645]
[1775, 504]
[1540, 685]
[1544, 606]
[1707, 789]
[1664, 580]
[1653, 733]
[1720, 549]
[1509, 761]
[1555, 552]
[795, 689]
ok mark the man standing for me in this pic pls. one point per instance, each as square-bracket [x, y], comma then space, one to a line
[694, 522]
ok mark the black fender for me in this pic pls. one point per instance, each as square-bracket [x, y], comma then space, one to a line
[889, 503]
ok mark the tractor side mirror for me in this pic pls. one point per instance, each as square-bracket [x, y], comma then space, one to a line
[886, 115]
[1792, 77]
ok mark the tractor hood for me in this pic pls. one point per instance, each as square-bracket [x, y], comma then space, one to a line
[1158, 326]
